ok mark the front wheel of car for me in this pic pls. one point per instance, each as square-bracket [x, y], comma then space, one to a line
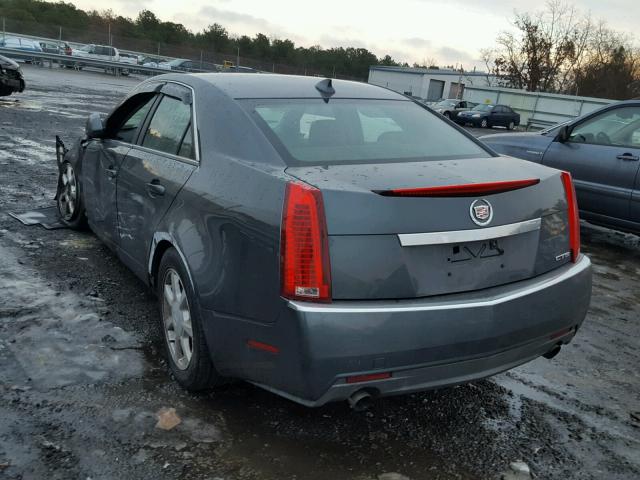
[484, 123]
[69, 198]
[187, 351]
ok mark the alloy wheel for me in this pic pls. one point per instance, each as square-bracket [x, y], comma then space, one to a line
[176, 317]
[68, 197]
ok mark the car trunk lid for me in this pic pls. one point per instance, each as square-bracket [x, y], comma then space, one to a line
[384, 245]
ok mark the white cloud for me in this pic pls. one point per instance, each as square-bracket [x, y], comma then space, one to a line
[451, 31]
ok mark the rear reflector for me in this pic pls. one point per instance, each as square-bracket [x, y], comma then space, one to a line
[561, 333]
[368, 378]
[572, 215]
[265, 347]
[465, 190]
[304, 249]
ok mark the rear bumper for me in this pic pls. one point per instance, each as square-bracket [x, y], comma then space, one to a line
[424, 344]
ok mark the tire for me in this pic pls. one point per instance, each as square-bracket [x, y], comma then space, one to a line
[5, 91]
[511, 125]
[484, 123]
[193, 370]
[447, 114]
[69, 198]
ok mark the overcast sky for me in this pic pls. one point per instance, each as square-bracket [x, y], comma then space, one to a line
[449, 31]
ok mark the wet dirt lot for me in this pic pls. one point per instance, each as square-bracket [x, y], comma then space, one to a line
[82, 375]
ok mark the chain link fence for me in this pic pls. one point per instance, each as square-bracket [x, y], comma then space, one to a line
[145, 47]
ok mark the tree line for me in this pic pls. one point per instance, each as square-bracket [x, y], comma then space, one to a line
[148, 30]
[559, 49]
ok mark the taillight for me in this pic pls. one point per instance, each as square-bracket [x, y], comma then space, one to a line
[304, 248]
[572, 215]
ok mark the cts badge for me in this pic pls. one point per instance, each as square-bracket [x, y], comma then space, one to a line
[481, 212]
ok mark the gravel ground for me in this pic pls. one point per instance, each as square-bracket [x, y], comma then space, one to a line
[83, 379]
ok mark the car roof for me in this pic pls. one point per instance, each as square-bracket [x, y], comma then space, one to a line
[250, 85]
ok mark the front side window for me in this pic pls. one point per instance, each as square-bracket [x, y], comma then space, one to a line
[618, 127]
[169, 125]
[126, 121]
[310, 131]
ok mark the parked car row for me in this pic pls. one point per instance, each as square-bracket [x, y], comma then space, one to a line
[110, 53]
[484, 115]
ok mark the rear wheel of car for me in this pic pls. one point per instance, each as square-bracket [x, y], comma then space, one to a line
[511, 125]
[484, 123]
[187, 350]
[5, 91]
[447, 114]
[69, 198]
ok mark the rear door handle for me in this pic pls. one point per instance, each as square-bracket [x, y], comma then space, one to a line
[155, 188]
[111, 172]
[628, 157]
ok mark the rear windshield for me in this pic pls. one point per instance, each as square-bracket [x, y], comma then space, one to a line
[343, 131]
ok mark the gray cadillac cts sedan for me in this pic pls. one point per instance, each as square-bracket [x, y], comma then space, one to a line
[327, 240]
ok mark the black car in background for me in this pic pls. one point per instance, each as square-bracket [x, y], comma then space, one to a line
[11, 79]
[488, 116]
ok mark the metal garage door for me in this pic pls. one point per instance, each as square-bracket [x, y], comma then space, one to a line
[436, 87]
[456, 90]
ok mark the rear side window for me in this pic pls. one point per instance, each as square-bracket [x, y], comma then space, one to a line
[169, 127]
[342, 131]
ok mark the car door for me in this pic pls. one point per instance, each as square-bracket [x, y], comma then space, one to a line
[460, 106]
[103, 159]
[497, 116]
[602, 154]
[509, 116]
[153, 173]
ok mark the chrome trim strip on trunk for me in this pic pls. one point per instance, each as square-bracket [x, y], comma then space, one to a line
[462, 236]
[477, 299]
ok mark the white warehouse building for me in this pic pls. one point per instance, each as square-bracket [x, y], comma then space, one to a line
[429, 84]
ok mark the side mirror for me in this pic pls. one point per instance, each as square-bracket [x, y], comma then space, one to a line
[95, 126]
[563, 134]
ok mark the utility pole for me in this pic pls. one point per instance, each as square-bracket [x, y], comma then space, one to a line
[60, 35]
[238, 60]
[3, 29]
